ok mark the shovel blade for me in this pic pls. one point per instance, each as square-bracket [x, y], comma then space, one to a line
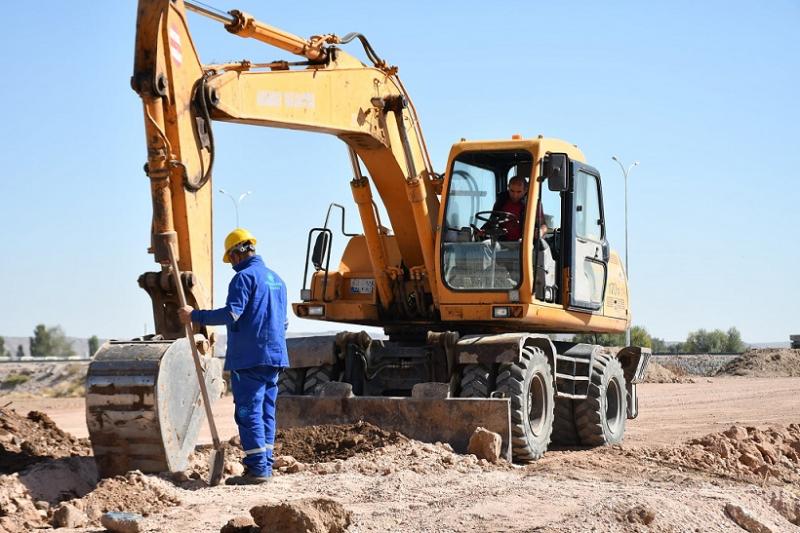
[216, 464]
[451, 420]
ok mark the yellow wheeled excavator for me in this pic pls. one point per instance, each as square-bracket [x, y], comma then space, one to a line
[468, 307]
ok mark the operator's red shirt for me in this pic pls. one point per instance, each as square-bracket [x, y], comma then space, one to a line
[513, 227]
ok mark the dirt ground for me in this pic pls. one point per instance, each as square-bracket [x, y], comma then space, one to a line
[680, 466]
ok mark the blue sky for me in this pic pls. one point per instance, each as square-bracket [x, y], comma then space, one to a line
[703, 94]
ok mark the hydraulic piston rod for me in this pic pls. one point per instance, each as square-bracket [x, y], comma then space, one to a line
[244, 25]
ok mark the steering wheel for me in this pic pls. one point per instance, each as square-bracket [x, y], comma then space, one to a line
[494, 222]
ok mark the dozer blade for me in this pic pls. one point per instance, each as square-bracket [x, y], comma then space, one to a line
[451, 420]
[143, 405]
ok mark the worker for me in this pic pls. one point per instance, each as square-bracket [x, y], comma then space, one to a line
[255, 316]
[513, 201]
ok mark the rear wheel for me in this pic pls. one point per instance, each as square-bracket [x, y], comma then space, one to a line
[564, 431]
[600, 418]
[476, 381]
[528, 383]
[290, 381]
[317, 376]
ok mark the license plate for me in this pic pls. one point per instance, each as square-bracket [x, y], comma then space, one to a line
[362, 286]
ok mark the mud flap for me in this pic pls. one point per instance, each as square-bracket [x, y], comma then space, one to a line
[451, 420]
[634, 362]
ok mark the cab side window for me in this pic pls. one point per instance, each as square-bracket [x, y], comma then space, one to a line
[588, 217]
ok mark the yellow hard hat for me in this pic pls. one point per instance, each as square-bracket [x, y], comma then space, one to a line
[237, 236]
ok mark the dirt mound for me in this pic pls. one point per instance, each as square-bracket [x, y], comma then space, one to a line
[29, 499]
[764, 363]
[356, 448]
[25, 441]
[307, 515]
[658, 373]
[318, 444]
[409, 456]
[17, 510]
[746, 453]
[132, 493]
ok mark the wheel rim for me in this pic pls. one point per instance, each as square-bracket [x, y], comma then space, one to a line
[537, 404]
[613, 406]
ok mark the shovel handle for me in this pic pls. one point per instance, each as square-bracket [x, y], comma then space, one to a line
[195, 354]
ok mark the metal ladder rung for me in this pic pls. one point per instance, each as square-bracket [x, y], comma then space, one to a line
[571, 396]
[573, 359]
[571, 377]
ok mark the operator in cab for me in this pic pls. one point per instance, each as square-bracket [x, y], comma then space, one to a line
[255, 317]
[513, 201]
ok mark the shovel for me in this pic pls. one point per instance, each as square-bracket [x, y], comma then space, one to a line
[217, 461]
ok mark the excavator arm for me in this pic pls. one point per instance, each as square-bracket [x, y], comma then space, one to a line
[331, 92]
[143, 408]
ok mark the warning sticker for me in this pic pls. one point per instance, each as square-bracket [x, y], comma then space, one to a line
[175, 45]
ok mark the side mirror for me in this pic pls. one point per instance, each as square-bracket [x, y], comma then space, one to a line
[555, 171]
[320, 249]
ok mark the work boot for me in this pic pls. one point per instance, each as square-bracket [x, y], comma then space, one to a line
[248, 479]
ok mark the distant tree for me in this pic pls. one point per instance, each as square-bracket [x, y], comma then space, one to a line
[603, 339]
[659, 346]
[20, 351]
[734, 342]
[3, 351]
[49, 341]
[716, 341]
[639, 337]
[94, 344]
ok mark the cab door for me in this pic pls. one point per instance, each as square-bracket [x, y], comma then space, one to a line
[589, 264]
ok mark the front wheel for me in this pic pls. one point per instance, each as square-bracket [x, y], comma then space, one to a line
[317, 376]
[528, 384]
[290, 381]
[600, 418]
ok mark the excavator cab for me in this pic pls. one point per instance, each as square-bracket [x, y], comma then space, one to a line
[482, 237]
[550, 251]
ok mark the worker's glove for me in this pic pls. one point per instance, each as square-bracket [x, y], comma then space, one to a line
[185, 314]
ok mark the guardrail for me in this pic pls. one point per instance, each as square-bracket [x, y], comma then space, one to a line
[28, 359]
[716, 354]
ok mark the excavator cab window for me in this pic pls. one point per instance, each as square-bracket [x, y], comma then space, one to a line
[548, 243]
[481, 248]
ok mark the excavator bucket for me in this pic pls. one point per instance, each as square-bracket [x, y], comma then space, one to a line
[450, 420]
[143, 405]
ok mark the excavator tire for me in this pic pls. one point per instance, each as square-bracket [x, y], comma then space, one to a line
[475, 381]
[600, 418]
[317, 376]
[528, 383]
[564, 431]
[290, 381]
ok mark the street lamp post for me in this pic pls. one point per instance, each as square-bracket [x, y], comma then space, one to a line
[625, 173]
[235, 202]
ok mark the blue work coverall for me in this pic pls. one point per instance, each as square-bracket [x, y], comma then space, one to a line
[255, 316]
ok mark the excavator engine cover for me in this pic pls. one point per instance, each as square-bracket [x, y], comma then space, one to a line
[143, 405]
